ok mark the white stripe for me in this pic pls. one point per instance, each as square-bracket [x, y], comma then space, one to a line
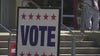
[13, 50]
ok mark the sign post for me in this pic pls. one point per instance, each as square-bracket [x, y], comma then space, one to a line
[38, 32]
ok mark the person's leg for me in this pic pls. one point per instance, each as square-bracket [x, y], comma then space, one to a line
[96, 20]
[87, 19]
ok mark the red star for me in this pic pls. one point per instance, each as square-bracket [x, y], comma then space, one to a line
[46, 16]
[53, 17]
[21, 54]
[38, 16]
[36, 54]
[44, 54]
[51, 54]
[30, 16]
[29, 54]
[23, 16]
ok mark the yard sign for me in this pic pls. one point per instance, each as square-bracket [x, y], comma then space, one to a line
[38, 32]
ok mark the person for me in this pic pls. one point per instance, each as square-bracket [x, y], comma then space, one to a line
[91, 14]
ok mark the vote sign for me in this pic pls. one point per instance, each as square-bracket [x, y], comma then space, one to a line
[38, 32]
